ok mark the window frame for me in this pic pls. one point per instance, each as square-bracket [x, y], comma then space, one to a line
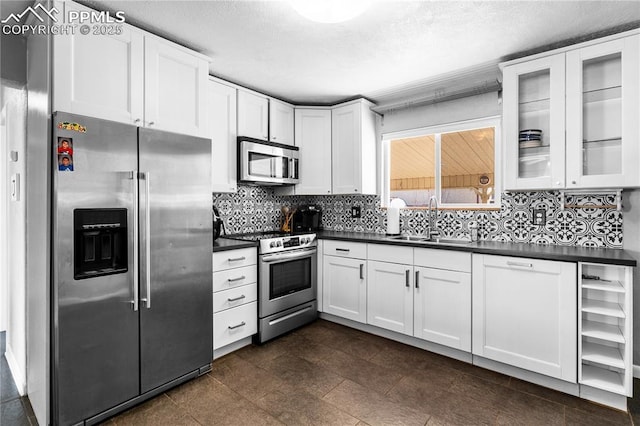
[437, 130]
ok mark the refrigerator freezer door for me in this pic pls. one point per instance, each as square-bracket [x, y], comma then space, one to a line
[95, 329]
[176, 312]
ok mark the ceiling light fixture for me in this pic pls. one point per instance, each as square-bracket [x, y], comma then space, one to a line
[330, 11]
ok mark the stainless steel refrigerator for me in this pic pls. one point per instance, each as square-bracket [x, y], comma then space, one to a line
[132, 265]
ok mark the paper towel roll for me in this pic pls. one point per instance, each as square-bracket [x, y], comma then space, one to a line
[393, 220]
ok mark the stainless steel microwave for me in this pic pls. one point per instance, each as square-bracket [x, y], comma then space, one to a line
[266, 163]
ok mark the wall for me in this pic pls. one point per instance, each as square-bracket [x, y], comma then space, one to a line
[15, 111]
[13, 58]
[255, 209]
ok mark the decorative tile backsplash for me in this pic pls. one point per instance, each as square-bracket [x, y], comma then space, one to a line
[254, 209]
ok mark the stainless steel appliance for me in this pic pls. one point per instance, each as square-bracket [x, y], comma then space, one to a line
[287, 282]
[266, 163]
[132, 269]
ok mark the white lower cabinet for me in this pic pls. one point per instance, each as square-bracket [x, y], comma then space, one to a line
[344, 291]
[442, 307]
[234, 324]
[235, 295]
[390, 296]
[425, 293]
[525, 314]
[605, 328]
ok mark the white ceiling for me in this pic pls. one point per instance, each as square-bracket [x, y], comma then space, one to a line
[267, 46]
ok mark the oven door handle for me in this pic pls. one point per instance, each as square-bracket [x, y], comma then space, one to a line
[288, 256]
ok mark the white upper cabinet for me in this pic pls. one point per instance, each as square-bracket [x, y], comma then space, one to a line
[130, 77]
[100, 76]
[353, 141]
[222, 125]
[585, 100]
[253, 115]
[313, 137]
[175, 88]
[280, 122]
[603, 114]
[534, 99]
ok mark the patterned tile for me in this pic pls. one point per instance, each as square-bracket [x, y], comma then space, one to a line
[254, 209]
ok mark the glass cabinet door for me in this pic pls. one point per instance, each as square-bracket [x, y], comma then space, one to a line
[603, 118]
[534, 123]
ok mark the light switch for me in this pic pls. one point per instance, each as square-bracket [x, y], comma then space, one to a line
[15, 187]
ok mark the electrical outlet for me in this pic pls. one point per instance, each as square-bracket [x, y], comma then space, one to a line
[539, 217]
[355, 212]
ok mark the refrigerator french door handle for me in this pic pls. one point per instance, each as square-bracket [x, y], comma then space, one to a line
[136, 278]
[147, 242]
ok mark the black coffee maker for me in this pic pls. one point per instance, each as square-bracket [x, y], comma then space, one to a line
[218, 225]
[307, 218]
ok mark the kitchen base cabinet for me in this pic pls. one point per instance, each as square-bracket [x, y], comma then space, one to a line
[442, 307]
[345, 283]
[605, 323]
[525, 314]
[235, 295]
[390, 296]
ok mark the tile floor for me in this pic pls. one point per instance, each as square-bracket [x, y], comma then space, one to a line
[327, 374]
[14, 410]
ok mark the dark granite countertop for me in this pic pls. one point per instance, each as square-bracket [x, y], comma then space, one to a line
[534, 251]
[223, 244]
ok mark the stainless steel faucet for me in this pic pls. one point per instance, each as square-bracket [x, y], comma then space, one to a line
[432, 230]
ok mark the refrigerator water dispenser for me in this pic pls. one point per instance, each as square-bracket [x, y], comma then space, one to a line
[100, 242]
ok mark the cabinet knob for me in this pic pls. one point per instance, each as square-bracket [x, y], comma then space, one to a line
[151, 123]
[137, 120]
[558, 183]
[573, 182]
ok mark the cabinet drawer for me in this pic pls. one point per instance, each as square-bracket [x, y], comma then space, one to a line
[235, 324]
[230, 278]
[234, 258]
[392, 254]
[345, 249]
[442, 259]
[233, 297]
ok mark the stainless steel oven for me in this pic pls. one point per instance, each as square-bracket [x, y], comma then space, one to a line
[288, 284]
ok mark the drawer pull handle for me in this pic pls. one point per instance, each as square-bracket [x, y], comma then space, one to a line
[235, 299]
[407, 275]
[344, 250]
[232, 327]
[417, 279]
[520, 264]
[362, 271]
[236, 279]
[236, 259]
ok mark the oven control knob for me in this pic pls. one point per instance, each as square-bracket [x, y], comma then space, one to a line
[272, 244]
[305, 240]
[279, 243]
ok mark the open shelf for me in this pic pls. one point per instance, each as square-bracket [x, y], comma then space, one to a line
[603, 308]
[599, 330]
[602, 354]
[603, 378]
[605, 285]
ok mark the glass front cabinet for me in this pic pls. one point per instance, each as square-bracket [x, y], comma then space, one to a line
[572, 119]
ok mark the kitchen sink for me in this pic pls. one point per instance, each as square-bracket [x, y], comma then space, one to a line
[415, 238]
[425, 240]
